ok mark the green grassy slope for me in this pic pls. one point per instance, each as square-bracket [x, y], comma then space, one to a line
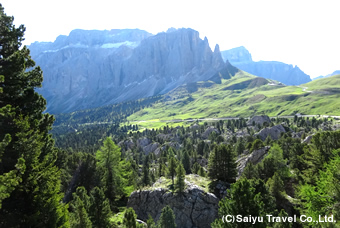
[245, 95]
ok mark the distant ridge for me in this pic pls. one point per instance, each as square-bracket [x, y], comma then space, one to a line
[328, 75]
[241, 58]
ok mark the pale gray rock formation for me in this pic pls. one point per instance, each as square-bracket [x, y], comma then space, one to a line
[88, 69]
[255, 157]
[259, 120]
[152, 147]
[195, 208]
[285, 73]
[274, 132]
[127, 144]
[147, 145]
[208, 131]
[308, 139]
[142, 142]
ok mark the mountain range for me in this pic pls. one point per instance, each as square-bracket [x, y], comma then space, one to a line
[285, 73]
[92, 68]
[89, 69]
[328, 75]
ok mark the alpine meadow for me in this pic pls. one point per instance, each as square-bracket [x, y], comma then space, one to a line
[129, 129]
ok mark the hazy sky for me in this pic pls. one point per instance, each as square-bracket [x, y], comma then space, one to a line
[302, 33]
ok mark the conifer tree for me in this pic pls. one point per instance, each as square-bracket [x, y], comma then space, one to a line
[195, 168]
[172, 168]
[243, 200]
[221, 164]
[80, 217]
[100, 209]
[186, 162]
[167, 219]
[31, 195]
[150, 222]
[80, 207]
[180, 179]
[111, 169]
[146, 172]
[201, 172]
[130, 218]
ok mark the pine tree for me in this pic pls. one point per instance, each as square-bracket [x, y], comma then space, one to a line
[167, 219]
[201, 172]
[130, 218]
[186, 162]
[276, 186]
[180, 179]
[172, 168]
[146, 172]
[111, 169]
[100, 209]
[221, 164]
[195, 168]
[80, 207]
[150, 222]
[243, 200]
[32, 197]
[80, 217]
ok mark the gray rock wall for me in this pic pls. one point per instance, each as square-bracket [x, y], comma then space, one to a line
[195, 208]
[88, 69]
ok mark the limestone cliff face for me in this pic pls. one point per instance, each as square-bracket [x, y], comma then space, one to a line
[93, 68]
[195, 208]
[285, 73]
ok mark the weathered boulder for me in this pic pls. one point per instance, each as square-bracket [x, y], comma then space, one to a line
[274, 132]
[142, 142]
[255, 157]
[308, 139]
[195, 126]
[152, 147]
[194, 208]
[208, 131]
[259, 120]
[129, 143]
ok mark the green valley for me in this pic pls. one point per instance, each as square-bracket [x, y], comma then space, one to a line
[245, 95]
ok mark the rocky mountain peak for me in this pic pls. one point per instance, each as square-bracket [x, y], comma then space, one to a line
[91, 68]
[285, 73]
[238, 54]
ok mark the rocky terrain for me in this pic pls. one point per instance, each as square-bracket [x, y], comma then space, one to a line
[89, 69]
[285, 73]
[193, 209]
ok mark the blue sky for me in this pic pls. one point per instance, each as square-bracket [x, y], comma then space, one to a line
[302, 33]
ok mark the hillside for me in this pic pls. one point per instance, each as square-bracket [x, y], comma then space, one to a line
[245, 95]
[324, 84]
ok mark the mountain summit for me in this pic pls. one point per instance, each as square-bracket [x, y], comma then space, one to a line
[94, 68]
[285, 73]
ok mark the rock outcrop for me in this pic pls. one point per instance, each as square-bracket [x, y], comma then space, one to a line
[285, 73]
[88, 69]
[195, 208]
[208, 131]
[255, 157]
[308, 139]
[259, 120]
[274, 132]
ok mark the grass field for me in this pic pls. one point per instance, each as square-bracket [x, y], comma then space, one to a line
[243, 96]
